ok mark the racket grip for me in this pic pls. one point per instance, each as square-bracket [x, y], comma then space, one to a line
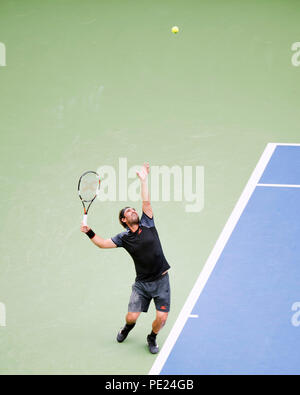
[84, 220]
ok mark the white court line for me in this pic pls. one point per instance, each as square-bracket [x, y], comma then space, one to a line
[279, 185]
[292, 145]
[212, 260]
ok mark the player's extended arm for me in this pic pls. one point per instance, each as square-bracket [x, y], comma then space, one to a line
[143, 176]
[97, 240]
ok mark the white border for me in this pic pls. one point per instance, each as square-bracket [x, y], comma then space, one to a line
[292, 145]
[279, 185]
[213, 258]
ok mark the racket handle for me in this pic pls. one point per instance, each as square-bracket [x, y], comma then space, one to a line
[84, 220]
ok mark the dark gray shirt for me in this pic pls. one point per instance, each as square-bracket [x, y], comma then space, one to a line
[145, 249]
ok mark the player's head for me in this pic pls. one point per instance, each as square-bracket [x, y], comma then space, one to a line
[128, 217]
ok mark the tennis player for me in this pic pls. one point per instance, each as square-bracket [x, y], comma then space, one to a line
[141, 241]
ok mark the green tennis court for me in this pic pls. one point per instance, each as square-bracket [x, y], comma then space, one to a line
[106, 84]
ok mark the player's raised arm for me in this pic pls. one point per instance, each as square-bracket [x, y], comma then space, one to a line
[97, 240]
[143, 176]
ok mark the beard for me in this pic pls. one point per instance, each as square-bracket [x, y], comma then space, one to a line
[133, 220]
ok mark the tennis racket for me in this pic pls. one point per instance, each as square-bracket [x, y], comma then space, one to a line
[88, 189]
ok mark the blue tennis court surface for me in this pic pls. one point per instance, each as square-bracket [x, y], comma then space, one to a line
[241, 316]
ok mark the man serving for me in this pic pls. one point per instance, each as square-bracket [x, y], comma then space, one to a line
[141, 241]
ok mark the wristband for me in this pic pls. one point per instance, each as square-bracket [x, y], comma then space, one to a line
[90, 234]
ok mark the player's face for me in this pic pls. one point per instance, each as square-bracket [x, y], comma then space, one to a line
[131, 216]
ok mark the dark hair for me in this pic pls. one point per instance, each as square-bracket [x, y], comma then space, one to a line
[121, 215]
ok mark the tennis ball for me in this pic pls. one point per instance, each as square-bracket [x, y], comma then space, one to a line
[175, 29]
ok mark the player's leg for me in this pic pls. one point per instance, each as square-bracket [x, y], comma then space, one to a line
[159, 322]
[131, 317]
[157, 325]
[138, 302]
[162, 304]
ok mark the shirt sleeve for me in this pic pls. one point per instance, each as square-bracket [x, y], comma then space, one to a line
[147, 221]
[118, 239]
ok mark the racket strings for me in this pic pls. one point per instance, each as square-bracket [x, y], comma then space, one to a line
[88, 187]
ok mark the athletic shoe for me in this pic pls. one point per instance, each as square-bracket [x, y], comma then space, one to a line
[152, 345]
[121, 336]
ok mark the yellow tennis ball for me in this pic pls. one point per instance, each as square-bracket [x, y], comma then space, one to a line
[175, 29]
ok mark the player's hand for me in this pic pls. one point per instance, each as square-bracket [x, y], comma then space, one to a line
[84, 228]
[143, 173]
